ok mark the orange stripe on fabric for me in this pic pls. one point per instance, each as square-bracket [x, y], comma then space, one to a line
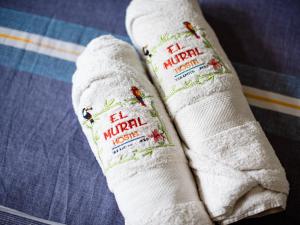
[25, 40]
[15, 38]
[271, 100]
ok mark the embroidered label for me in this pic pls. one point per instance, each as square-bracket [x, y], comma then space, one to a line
[126, 129]
[183, 60]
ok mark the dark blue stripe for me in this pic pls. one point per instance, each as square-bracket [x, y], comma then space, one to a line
[278, 123]
[268, 80]
[50, 27]
[104, 15]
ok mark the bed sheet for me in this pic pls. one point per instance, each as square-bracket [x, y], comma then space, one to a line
[48, 175]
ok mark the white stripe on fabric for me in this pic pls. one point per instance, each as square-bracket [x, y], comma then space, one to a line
[272, 101]
[40, 44]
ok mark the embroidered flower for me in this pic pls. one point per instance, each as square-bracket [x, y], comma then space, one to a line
[215, 63]
[157, 136]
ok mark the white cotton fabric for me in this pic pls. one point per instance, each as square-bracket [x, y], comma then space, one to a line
[237, 171]
[151, 189]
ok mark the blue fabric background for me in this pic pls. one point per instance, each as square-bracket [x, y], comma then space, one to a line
[46, 167]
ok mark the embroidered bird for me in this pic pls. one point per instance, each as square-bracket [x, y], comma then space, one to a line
[190, 27]
[87, 115]
[146, 51]
[138, 95]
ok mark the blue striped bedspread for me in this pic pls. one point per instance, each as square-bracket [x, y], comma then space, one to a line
[48, 175]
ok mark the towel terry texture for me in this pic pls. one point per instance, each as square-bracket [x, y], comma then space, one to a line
[133, 138]
[237, 171]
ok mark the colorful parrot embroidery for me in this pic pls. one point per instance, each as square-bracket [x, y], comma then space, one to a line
[138, 95]
[190, 27]
[146, 51]
[87, 115]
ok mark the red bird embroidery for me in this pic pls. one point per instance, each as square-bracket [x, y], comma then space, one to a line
[138, 95]
[190, 27]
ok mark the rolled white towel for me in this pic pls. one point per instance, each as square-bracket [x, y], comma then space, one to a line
[237, 171]
[132, 137]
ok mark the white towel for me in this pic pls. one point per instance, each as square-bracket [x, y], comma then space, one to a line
[132, 137]
[237, 171]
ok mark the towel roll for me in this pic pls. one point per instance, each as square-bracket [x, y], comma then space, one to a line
[237, 171]
[132, 137]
